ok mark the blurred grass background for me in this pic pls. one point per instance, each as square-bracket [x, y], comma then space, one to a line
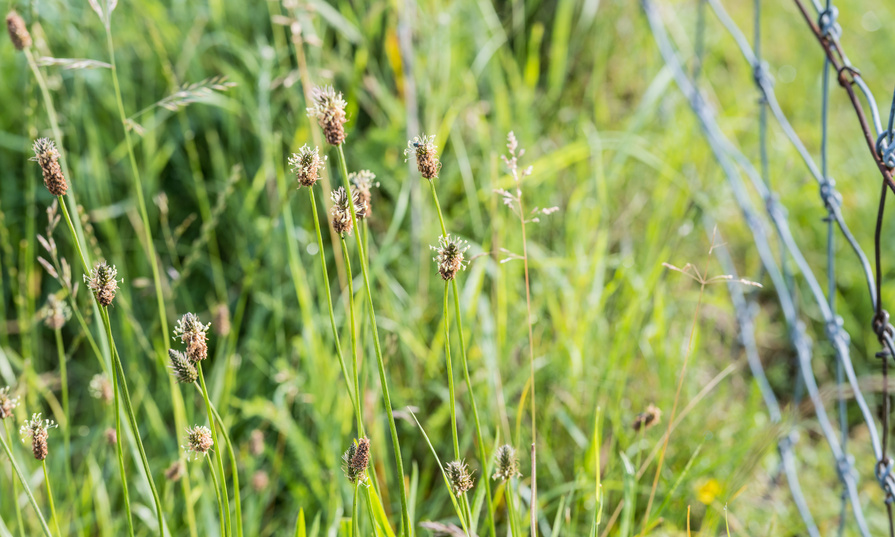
[612, 143]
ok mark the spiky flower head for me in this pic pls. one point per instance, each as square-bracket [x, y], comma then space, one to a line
[18, 31]
[459, 476]
[648, 418]
[192, 332]
[184, 370]
[356, 459]
[55, 313]
[449, 256]
[306, 165]
[361, 183]
[101, 388]
[507, 463]
[341, 211]
[102, 281]
[329, 110]
[46, 154]
[37, 430]
[7, 403]
[198, 441]
[426, 152]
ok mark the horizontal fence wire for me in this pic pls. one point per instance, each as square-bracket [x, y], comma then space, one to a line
[736, 166]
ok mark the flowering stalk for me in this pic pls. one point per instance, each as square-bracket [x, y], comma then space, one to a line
[24, 482]
[15, 489]
[53, 515]
[217, 452]
[353, 327]
[450, 372]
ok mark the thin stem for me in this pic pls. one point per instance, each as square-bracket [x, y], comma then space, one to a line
[217, 494]
[480, 439]
[332, 317]
[15, 489]
[24, 482]
[450, 373]
[217, 451]
[383, 378]
[511, 508]
[353, 338]
[60, 352]
[53, 516]
[354, 518]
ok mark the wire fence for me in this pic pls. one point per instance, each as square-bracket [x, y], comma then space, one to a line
[769, 228]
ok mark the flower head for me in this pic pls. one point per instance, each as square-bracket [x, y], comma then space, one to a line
[306, 165]
[459, 476]
[37, 430]
[184, 370]
[341, 210]
[426, 152]
[361, 183]
[507, 463]
[356, 459]
[449, 256]
[101, 388]
[198, 441]
[55, 313]
[648, 418]
[192, 332]
[18, 32]
[7, 403]
[102, 281]
[329, 110]
[46, 154]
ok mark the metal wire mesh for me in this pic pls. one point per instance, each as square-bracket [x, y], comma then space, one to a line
[769, 226]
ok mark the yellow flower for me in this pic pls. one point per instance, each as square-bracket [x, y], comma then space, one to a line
[708, 491]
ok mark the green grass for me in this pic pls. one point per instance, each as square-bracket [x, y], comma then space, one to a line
[612, 143]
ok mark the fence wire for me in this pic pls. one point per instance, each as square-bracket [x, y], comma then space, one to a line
[770, 225]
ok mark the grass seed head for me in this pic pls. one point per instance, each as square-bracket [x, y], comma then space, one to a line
[198, 441]
[507, 463]
[18, 32]
[449, 256]
[648, 418]
[184, 370]
[329, 110]
[426, 152]
[306, 165]
[102, 281]
[37, 430]
[341, 211]
[459, 476]
[7, 403]
[356, 459]
[46, 154]
[192, 332]
[362, 182]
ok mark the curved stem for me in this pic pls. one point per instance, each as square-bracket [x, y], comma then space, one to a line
[217, 451]
[24, 482]
[383, 378]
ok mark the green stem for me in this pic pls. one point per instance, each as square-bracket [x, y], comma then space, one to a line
[511, 508]
[450, 373]
[332, 317]
[383, 378]
[60, 352]
[24, 482]
[217, 493]
[15, 489]
[217, 451]
[132, 419]
[53, 516]
[480, 439]
[354, 517]
[369, 496]
[353, 325]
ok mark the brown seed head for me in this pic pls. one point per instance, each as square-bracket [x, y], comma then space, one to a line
[37, 430]
[507, 463]
[449, 256]
[356, 459]
[103, 282]
[361, 183]
[306, 165]
[329, 110]
[7, 403]
[46, 154]
[184, 370]
[55, 313]
[174, 472]
[18, 32]
[648, 418]
[459, 476]
[341, 211]
[192, 332]
[199, 441]
[426, 152]
[101, 388]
